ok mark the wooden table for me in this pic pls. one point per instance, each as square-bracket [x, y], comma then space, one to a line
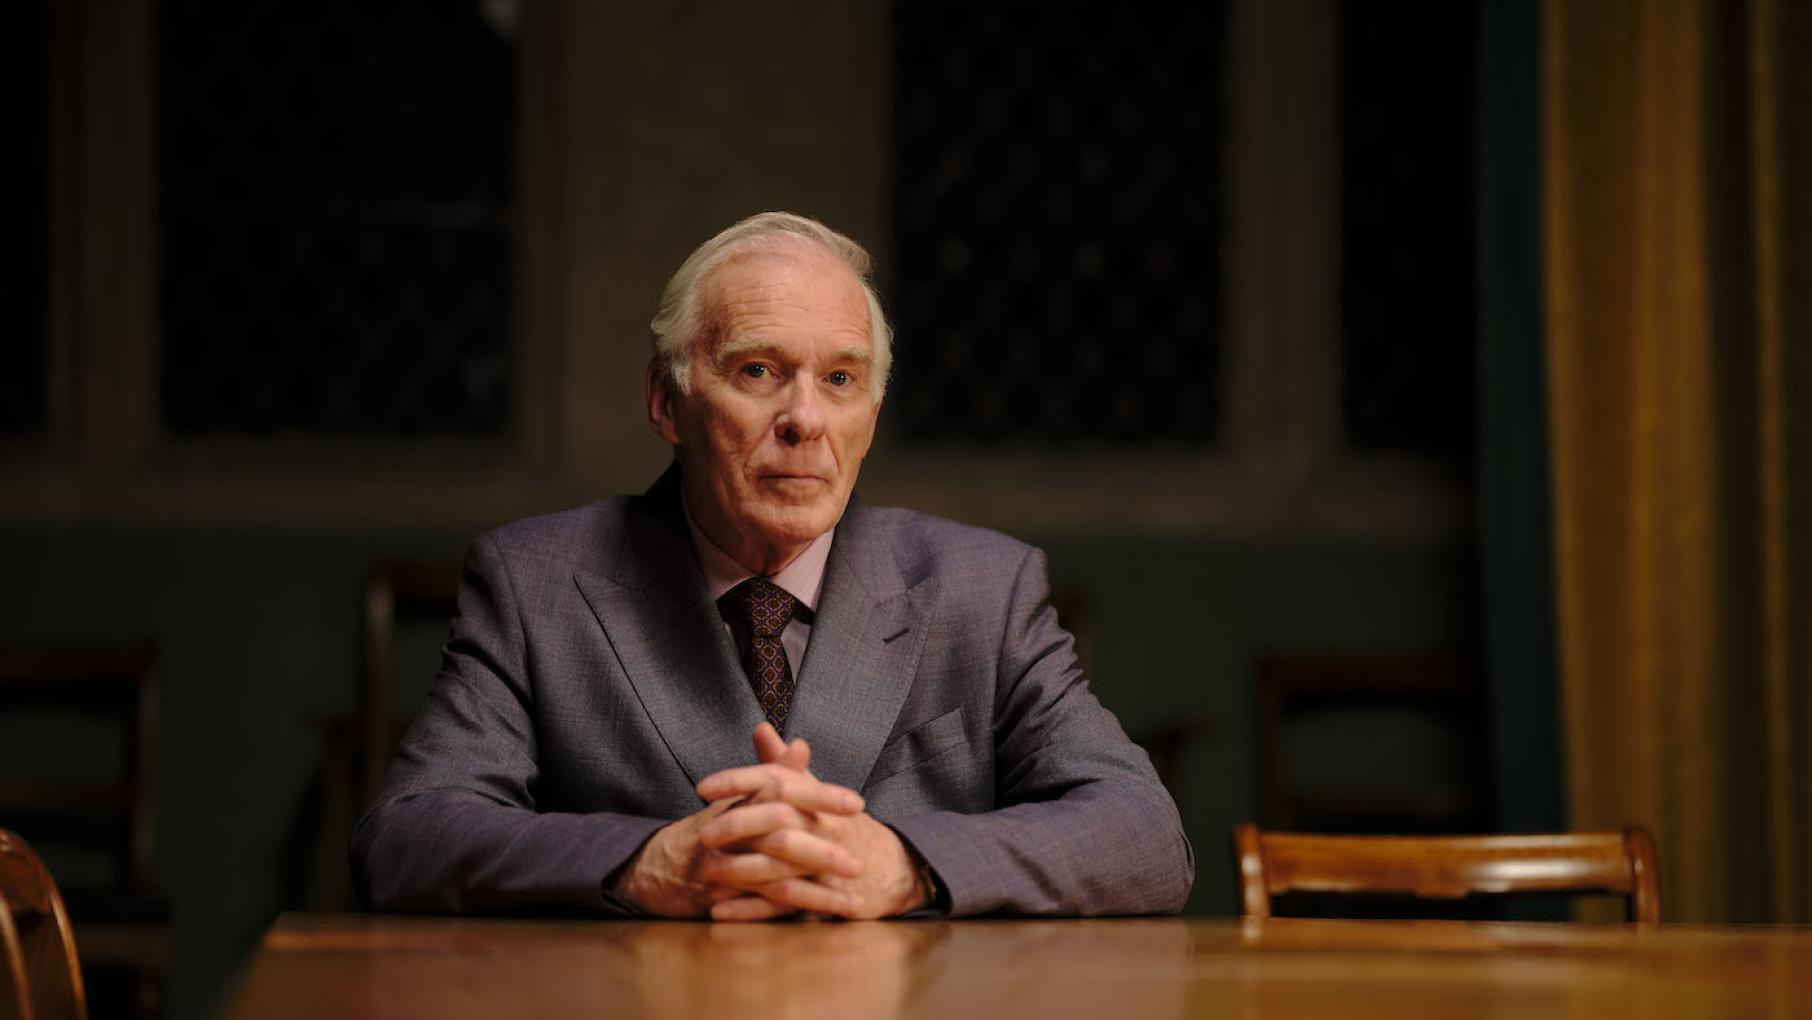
[359, 966]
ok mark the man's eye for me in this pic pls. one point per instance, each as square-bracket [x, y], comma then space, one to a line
[838, 378]
[755, 371]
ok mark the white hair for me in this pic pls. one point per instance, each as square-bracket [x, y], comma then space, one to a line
[678, 322]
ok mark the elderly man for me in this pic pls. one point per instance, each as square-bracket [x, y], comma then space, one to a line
[587, 744]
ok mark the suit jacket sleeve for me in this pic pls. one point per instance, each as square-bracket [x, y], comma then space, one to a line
[455, 828]
[1084, 825]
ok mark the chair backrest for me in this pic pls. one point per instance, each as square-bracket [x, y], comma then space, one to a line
[1440, 696]
[1440, 867]
[41, 979]
[115, 815]
[395, 590]
[357, 746]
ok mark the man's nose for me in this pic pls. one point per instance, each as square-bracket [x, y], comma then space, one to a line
[803, 417]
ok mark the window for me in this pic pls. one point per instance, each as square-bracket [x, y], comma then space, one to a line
[1057, 224]
[1221, 256]
[337, 218]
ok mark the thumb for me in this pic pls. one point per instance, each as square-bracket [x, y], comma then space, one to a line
[769, 748]
[798, 755]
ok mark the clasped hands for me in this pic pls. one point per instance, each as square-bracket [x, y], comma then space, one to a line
[773, 840]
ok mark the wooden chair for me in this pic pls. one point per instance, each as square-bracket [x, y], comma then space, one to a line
[357, 747]
[95, 803]
[1164, 743]
[1444, 867]
[396, 590]
[1442, 691]
[117, 684]
[41, 979]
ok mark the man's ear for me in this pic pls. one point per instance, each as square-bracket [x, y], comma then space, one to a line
[874, 422]
[659, 388]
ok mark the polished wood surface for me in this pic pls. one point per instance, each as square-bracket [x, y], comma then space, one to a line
[350, 966]
[1444, 867]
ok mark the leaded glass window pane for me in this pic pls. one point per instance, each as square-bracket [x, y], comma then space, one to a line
[1057, 223]
[337, 215]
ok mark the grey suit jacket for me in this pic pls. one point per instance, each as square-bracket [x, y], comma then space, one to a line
[588, 686]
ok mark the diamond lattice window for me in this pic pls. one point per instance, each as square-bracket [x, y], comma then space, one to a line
[1056, 223]
[336, 207]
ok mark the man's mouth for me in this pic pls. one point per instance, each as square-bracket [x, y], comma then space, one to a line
[789, 476]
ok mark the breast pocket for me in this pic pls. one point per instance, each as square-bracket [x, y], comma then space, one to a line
[918, 745]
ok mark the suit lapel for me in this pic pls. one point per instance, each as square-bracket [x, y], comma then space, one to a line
[658, 616]
[863, 652]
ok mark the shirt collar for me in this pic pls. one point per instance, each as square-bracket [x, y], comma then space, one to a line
[803, 578]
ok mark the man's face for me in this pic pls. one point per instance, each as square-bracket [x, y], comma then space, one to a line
[782, 408]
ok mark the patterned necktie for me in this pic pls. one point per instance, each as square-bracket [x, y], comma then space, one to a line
[760, 609]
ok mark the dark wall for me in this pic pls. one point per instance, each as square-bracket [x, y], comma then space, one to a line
[258, 636]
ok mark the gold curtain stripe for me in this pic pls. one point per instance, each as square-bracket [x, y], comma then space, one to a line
[1782, 361]
[1679, 452]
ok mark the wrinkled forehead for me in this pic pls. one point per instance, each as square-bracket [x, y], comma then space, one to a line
[783, 277]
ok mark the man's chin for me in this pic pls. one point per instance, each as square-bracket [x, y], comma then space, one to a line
[785, 523]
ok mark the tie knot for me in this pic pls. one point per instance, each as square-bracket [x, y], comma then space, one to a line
[763, 605]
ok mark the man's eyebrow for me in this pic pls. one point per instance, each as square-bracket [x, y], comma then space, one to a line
[756, 344]
[747, 344]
